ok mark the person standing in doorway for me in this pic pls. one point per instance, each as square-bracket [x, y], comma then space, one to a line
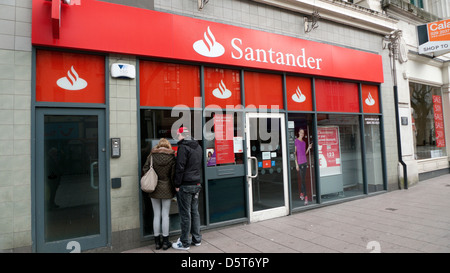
[164, 166]
[187, 180]
[301, 162]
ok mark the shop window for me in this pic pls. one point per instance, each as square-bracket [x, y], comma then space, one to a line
[223, 138]
[69, 77]
[335, 96]
[154, 125]
[227, 199]
[222, 88]
[302, 179]
[417, 3]
[374, 159]
[427, 121]
[298, 93]
[168, 84]
[263, 90]
[340, 161]
[370, 98]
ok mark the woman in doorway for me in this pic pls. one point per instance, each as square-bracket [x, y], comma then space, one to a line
[301, 163]
[164, 165]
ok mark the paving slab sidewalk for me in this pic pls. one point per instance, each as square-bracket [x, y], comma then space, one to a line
[416, 220]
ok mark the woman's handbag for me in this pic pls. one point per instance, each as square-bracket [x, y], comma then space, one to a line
[150, 179]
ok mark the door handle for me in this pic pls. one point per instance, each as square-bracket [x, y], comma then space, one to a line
[92, 175]
[256, 165]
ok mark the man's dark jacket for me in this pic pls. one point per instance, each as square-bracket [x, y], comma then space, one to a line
[188, 167]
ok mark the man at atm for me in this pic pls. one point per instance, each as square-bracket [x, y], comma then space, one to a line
[187, 180]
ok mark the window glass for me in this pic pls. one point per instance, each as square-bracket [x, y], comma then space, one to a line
[168, 84]
[157, 124]
[374, 159]
[263, 90]
[428, 122]
[224, 141]
[339, 156]
[417, 3]
[71, 175]
[300, 137]
[267, 147]
[222, 88]
[335, 96]
[227, 199]
[298, 92]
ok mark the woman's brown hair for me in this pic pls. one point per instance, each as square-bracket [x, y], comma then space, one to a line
[164, 143]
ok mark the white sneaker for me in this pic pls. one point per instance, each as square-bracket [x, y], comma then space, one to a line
[178, 245]
[192, 243]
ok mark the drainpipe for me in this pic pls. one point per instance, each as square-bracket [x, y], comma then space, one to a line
[393, 43]
[399, 138]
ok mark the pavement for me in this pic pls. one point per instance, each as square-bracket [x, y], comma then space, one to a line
[416, 220]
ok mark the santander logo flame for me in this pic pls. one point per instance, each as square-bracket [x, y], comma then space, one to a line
[72, 81]
[221, 92]
[298, 96]
[209, 47]
[369, 100]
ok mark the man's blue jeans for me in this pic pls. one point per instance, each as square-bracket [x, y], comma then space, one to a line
[187, 198]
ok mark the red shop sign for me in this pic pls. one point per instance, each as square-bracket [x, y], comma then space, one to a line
[142, 32]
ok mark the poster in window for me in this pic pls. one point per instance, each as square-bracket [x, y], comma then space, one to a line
[329, 150]
[224, 133]
[438, 121]
[210, 157]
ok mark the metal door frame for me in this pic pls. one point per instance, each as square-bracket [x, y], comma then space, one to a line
[79, 243]
[272, 212]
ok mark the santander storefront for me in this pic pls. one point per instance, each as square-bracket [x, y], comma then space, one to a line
[285, 123]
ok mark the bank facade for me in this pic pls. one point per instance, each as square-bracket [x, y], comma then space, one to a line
[89, 96]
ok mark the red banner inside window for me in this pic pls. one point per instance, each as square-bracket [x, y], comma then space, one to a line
[298, 93]
[335, 96]
[263, 90]
[69, 77]
[370, 98]
[222, 88]
[167, 84]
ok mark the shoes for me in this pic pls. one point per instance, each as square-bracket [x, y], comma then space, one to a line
[178, 245]
[165, 243]
[158, 242]
[306, 200]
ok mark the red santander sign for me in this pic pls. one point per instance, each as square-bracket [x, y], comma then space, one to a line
[142, 32]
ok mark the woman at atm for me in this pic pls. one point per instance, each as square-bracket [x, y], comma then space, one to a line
[164, 165]
[301, 162]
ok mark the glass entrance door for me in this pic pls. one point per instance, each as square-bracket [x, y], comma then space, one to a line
[70, 180]
[267, 166]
